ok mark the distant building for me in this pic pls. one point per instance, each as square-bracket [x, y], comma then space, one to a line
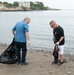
[25, 4]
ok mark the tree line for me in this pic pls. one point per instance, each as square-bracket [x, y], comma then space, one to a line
[33, 6]
[9, 5]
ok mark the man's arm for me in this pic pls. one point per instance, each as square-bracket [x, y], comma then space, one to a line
[57, 43]
[61, 39]
[13, 32]
[28, 38]
[62, 36]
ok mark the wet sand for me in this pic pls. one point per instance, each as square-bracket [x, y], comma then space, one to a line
[39, 64]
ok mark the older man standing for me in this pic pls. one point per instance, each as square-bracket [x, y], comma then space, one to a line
[59, 39]
[21, 33]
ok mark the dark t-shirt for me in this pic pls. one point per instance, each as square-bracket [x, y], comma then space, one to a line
[58, 33]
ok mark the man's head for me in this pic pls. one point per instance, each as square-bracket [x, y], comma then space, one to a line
[53, 24]
[27, 20]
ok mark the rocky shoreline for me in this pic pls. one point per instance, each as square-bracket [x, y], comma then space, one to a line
[39, 64]
[19, 9]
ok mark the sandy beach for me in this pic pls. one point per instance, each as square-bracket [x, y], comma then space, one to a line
[39, 64]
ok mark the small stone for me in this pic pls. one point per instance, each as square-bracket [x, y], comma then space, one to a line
[41, 66]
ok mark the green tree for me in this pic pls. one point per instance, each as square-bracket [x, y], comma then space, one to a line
[24, 8]
[0, 2]
[32, 6]
[15, 4]
[40, 5]
[5, 3]
[37, 6]
[46, 8]
[8, 5]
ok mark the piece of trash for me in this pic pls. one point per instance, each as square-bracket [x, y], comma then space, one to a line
[69, 72]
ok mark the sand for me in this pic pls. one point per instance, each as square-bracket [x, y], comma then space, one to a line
[39, 64]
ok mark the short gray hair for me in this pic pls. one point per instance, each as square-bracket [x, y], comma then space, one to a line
[52, 21]
[26, 18]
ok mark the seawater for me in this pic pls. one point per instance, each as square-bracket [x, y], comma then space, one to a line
[40, 31]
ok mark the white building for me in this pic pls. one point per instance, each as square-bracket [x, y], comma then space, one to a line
[25, 4]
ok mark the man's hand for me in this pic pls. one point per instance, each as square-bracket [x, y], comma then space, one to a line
[57, 43]
[28, 42]
[13, 32]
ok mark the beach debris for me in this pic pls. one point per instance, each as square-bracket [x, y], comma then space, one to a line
[41, 66]
[24, 68]
[69, 72]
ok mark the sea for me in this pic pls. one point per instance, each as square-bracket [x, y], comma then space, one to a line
[40, 31]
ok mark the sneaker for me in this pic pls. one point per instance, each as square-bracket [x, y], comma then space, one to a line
[18, 63]
[54, 62]
[60, 63]
[24, 64]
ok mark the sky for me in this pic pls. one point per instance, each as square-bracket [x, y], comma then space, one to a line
[59, 4]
